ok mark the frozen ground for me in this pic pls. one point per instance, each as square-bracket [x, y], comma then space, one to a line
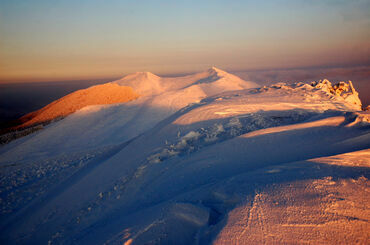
[206, 158]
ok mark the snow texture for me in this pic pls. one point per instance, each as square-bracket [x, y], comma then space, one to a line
[201, 159]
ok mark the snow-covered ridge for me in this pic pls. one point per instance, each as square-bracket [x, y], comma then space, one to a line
[143, 83]
[342, 91]
[214, 79]
[164, 94]
[110, 125]
[157, 99]
[194, 160]
[103, 94]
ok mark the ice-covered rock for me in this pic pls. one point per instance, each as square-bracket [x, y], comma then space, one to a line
[341, 90]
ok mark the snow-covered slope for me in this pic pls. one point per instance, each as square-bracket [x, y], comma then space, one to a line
[96, 95]
[107, 125]
[205, 158]
[208, 83]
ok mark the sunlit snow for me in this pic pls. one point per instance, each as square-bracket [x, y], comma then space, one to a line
[201, 159]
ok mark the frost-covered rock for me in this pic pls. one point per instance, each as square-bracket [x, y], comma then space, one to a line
[341, 90]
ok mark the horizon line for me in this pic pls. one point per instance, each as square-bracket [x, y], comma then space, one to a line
[115, 77]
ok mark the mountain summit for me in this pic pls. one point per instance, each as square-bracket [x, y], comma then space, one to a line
[214, 70]
[146, 83]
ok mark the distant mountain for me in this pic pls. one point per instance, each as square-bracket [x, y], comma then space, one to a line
[201, 159]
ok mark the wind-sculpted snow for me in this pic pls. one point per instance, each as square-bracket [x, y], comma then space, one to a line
[199, 159]
[228, 129]
[35, 178]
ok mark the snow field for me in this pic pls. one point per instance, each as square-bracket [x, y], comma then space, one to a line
[205, 158]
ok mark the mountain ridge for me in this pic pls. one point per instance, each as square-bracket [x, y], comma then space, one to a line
[131, 87]
[193, 162]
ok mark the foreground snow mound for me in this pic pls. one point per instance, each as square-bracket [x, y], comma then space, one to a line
[191, 163]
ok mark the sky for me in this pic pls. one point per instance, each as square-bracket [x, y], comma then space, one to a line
[80, 39]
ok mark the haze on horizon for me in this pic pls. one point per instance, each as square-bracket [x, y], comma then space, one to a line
[54, 40]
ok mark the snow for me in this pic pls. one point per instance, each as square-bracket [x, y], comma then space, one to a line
[106, 125]
[108, 93]
[205, 158]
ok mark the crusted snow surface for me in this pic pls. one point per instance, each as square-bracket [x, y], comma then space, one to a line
[193, 163]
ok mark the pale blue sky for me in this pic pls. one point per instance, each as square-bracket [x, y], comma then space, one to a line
[51, 39]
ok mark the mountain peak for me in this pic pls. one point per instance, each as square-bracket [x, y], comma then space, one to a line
[213, 68]
[142, 75]
[215, 71]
